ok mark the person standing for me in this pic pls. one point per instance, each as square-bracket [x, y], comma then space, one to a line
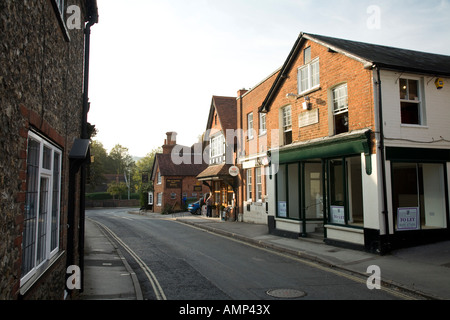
[209, 206]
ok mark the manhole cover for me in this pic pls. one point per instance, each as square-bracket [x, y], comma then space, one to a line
[286, 293]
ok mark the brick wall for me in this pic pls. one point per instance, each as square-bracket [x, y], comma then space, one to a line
[41, 77]
[335, 69]
[187, 186]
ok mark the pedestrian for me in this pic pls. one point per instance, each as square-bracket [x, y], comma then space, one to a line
[209, 206]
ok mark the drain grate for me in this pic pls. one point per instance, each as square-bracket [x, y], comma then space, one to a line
[286, 293]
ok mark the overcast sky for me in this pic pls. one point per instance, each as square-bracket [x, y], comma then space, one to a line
[155, 64]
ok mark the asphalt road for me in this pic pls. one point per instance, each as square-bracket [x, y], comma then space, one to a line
[174, 261]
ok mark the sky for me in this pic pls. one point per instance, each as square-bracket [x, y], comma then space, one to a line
[155, 64]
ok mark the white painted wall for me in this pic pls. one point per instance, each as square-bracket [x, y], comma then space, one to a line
[436, 104]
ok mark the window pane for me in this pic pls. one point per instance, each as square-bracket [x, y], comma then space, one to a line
[410, 113]
[304, 79]
[315, 74]
[434, 199]
[47, 158]
[313, 190]
[403, 89]
[354, 173]
[337, 195]
[281, 192]
[31, 202]
[307, 55]
[293, 189]
[405, 193]
[42, 224]
[341, 123]
[413, 90]
[340, 99]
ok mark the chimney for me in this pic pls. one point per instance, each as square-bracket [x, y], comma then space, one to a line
[170, 142]
[241, 92]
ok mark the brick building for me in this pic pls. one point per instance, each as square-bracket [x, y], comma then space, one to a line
[252, 152]
[220, 141]
[44, 144]
[174, 175]
[359, 144]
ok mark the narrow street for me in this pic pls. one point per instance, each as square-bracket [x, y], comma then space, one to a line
[174, 261]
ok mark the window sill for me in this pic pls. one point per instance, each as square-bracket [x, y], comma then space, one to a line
[417, 126]
[309, 91]
[46, 266]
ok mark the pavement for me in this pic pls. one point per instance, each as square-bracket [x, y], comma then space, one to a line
[423, 270]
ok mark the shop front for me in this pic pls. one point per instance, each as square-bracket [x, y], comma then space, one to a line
[320, 188]
[223, 187]
[419, 193]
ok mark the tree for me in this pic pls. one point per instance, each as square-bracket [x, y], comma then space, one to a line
[142, 175]
[97, 166]
[121, 160]
[117, 189]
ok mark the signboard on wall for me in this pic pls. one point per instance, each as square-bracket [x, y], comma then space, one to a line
[408, 219]
[173, 183]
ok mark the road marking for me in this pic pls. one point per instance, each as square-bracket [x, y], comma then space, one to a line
[159, 292]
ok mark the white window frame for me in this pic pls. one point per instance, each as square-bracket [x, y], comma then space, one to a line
[60, 5]
[217, 149]
[259, 191]
[150, 198]
[249, 185]
[340, 99]
[44, 227]
[158, 178]
[262, 124]
[418, 101]
[159, 199]
[250, 126]
[309, 76]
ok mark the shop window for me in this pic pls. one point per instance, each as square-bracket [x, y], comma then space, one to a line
[288, 191]
[281, 192]
[340, 109]
[293, 191]
[410, 102]
[42, 205]
[345, 191]
[418, 196]
[313, 190]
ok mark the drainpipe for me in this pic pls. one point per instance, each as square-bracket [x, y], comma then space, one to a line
[385, 244]
[93, 19]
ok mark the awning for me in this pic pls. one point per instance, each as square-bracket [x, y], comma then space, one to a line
[356, 142]
[215, 172]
